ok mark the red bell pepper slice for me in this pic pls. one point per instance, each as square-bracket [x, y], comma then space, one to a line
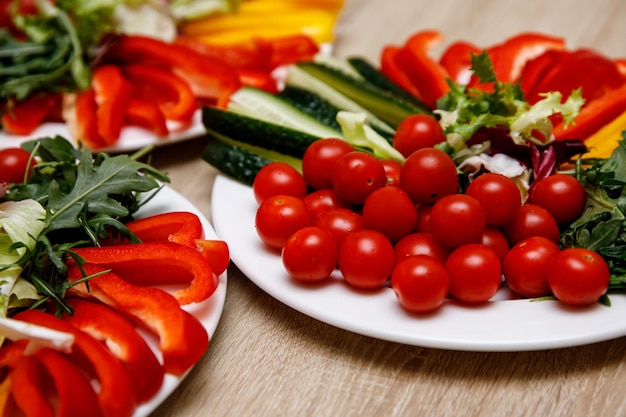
[80, 117]
[76, 396]
[27, 115]
[158, 263]
[209, 78]
[389, 66]
[259, 79]
[583, 68]
[182, 338]
[510, 57]
[148, 115]
[112, 95]
[116, 393]
[119, 334]
[620, 64]
[172, 94]
[457, 61]
[256, 55]
[535, 71]
[291, 49]
[594, 115]
[428, 76]
[175, 226]
[31, 387]
[186, 229]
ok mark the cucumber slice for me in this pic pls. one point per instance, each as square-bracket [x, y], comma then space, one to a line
[259, 104]
[257, 132]
[385, 105]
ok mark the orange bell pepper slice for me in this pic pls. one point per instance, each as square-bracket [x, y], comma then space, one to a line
[116, 393]
[106, 325]
[182, 338]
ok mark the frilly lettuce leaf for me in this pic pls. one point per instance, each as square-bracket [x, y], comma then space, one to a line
[360, 134]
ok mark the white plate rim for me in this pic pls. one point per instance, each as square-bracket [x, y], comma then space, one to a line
[501, 325]
[208, 311]
[131, 139]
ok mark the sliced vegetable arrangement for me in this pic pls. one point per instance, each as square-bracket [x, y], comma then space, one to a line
[442, 179]
[84, 66]
[84, 282]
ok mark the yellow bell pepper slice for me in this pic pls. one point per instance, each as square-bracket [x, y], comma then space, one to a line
[602, 143]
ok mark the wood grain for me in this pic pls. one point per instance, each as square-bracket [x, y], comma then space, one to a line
[269, 360]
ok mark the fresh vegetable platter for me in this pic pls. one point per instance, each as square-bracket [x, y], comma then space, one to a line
[486, 181]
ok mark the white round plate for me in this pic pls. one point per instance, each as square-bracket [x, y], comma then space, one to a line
[503, 324]
[131, 139]
[208, 311]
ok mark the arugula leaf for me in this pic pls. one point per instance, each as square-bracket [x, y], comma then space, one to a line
[86, 198]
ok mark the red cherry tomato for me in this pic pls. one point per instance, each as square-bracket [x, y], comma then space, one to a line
[493, 238]
[421, 283]
[531, 220]
[310, 254]
[429, 174]
[562, 195]
[457, 219]
[320, 201]
[356, 175]
[415, 132]
[340, 222]
[390, 211]
[278, 178]
[475, 273]
[498, 195]
[416, 244]
[278, 217]
[392, 169]
[366, 259]
[578, 276]
[14, 162]
[319, 160]
[526, 265]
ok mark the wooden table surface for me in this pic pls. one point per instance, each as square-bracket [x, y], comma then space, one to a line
[267, 359]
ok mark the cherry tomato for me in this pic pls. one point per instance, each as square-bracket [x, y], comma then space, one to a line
[310, 254]
[278, 178]
[356, 175]
[390, 211]
[319, 201]
[578, 276]
[320, 158]
[562, 195]
[392, 169]
[429, 174]
[340, 222]
[526, 266]
[493, 238]
[475, 273]
[278, 217]
[415, 132]
[14, 164]
[498, 195]
[457, 219]
[366, 259]
[421, 283]
[420, 244]
[531, 220]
